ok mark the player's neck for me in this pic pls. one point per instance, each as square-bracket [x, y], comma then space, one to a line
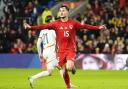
[64, 19]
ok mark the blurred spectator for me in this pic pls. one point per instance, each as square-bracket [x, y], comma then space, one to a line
[21, 46]
[113, 13]
[97, 50]
[78, 17]
[14, 49]
[34, 47]
[45, 13]
[29, 48]
[106, 49]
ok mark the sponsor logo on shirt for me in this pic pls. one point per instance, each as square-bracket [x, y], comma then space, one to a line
[66, 27]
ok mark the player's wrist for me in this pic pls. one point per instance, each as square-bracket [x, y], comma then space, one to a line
[102, 27]
[28, 26]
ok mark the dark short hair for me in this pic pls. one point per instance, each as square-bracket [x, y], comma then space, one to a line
[48, 18]
[67, 8]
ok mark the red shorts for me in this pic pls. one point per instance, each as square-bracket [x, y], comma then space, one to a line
[62, 57]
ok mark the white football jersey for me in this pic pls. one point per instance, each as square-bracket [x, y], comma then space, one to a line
[48, 37]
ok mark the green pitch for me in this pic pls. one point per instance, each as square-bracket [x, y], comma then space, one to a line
[17, 79]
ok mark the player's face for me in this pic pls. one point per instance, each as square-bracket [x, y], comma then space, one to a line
[90, 63]
[63, 12]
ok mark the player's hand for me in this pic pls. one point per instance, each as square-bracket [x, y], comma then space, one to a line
[26, 26]
[102, 27]
[104, 30]
[41, 58]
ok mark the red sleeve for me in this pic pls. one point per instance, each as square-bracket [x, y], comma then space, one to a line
[86, 26]
[44, 26]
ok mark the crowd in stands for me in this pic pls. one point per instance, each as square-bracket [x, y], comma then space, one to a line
[15, 39]
[114, 40]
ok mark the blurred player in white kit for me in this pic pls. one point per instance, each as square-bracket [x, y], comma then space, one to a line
[46, 46]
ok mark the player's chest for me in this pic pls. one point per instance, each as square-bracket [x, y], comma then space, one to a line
[65, 27]
[65, 30]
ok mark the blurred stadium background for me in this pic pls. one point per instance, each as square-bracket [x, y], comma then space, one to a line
[95, 49]
[14, 39]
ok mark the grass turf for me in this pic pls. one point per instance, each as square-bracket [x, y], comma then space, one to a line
[103, 79]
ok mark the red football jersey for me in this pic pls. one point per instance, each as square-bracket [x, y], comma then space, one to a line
[65, 33]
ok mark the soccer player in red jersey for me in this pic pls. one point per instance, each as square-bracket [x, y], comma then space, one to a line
[65, 29]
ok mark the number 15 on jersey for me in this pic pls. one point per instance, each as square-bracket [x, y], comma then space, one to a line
[66, 33]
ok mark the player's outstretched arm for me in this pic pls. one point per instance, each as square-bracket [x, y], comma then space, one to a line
[102, 27]
[26, 26]
[90, 27]
[39, 27]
